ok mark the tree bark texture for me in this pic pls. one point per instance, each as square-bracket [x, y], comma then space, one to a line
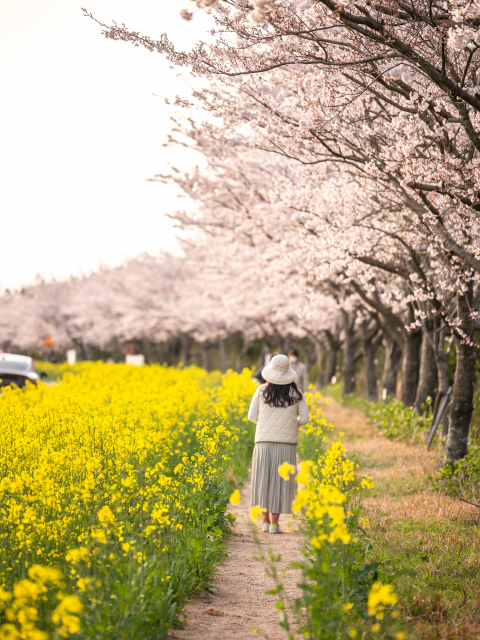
[349, 352]
[411, 367]
[332, 354]
[461, 407]
[369, 347]
[428, 378]
[393, 360]
[442, 358]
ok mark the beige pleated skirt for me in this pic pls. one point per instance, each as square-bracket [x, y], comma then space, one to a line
[269, 490]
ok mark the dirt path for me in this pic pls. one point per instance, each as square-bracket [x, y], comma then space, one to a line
[402, 496]
[240, 603]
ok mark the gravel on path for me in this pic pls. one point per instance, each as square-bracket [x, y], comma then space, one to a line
[240, 603]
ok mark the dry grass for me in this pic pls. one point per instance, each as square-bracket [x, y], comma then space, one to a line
[435, 540]
[423, 505]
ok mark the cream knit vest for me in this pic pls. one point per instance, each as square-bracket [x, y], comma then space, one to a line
[277, 424]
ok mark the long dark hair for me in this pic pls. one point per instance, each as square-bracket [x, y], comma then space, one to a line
[282, 395]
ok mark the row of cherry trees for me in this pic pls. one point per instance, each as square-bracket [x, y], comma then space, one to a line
[162, 303]
[342, 146]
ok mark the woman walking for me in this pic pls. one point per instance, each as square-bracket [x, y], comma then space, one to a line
[278, 408]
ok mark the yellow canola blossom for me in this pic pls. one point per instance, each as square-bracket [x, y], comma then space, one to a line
[380, 595]
[336, 467]
[113, 471]
[286, 469]
[322, 492]
[22, 608]
[65, 615]
[367, 483]
[235, 497]
[255, 512]
[304, 477]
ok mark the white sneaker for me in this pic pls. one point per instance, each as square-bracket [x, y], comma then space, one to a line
[275, 528]
[266, 527]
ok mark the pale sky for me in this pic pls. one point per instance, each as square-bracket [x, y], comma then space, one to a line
[80, 131]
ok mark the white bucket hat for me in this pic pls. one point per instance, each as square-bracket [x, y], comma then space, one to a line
[279, 371]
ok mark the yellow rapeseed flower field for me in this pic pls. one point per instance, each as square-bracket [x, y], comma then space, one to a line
[113, 493]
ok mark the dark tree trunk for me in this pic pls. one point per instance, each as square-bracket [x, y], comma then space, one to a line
[305, 354]
[239, 361]
[393, 359]
[442, 358]
[411, 366]
[223, 355]
[319, 349]
[241, 353]
[261, 355]
[205, 357]
[186, 342]
[349, 352]
[331, 367]
[427, 383]
[369, 347]
[80, 347]
[160, 352]
[462, 402]
[332, 354]
[173, 351]
[164, 353]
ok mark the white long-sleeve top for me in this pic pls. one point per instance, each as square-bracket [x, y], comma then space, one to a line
[277, 424]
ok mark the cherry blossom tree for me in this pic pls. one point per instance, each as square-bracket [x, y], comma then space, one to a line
[202, 300]
[388, 94]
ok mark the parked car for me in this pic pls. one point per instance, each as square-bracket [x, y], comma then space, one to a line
[17, 370]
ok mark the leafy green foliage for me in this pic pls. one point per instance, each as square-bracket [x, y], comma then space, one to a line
[463, 479]
[398, 422]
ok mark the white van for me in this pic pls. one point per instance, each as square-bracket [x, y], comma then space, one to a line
[15, 369]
